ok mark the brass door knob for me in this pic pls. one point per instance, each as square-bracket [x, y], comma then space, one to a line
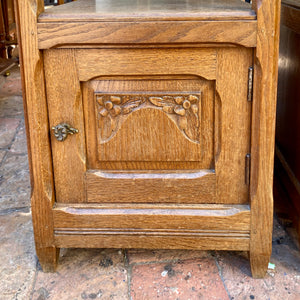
[62, 130]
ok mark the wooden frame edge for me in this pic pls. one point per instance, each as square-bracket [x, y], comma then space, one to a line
[263, 134]
[37, 128]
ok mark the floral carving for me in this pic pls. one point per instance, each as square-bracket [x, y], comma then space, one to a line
[109, 106]
[182, 109]
[186, 109]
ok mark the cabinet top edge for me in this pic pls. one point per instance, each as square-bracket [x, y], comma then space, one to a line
[134, 10]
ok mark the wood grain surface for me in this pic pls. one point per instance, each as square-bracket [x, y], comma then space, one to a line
[232, 124]
[121, 141]
[65, 106]
[151, 187]
[175, 226]
[74, 35]
[172, 241]
[263, 135]
[143, 62]
[37, 128]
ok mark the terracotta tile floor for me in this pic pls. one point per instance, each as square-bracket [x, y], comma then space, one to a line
[115, 273]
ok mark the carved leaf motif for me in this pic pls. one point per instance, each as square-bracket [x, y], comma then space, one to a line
[116, 110]
[158, 101]
[106, 125]
[192, 128]
[130, 106]
[113, 124]
[183, 122]
[162, 101]
[182, 109]
[168, 109]
[168, 99]
[194, 109]
[195, 112]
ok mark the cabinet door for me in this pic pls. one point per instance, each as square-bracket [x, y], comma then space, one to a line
[154, 125]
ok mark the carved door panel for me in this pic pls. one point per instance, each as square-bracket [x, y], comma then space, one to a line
[151, 137]
[160, 126]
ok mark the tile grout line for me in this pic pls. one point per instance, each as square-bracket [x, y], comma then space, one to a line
[9, 211]
[166, 261]
[16, 133]
[2, 81]
[4, 157]
[7, 149]
[221, 276]
[129, 271]
[34, 279]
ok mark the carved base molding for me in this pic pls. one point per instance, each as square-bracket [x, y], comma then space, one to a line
[220, 222]
[180, 226]
[153, 232]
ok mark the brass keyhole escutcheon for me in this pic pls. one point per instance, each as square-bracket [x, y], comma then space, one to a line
[62, 130]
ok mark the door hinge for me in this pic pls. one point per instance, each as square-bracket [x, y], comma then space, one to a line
[247, 168]
[250, 83]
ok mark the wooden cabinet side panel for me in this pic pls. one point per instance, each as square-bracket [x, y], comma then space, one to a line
[263, 133]
[36, 118]
[65, 106]
[37, 129]
[232, 124]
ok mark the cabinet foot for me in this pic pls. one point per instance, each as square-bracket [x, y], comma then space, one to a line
[48, 258]
[259, 265]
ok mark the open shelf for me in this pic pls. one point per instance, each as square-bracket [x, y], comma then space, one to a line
[130, 10]
[99, 23]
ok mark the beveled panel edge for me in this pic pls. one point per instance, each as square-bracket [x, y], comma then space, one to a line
[151, 188]
[92, 214]
[146, 62]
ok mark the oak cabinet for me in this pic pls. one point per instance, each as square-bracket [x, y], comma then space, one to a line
[151, 125]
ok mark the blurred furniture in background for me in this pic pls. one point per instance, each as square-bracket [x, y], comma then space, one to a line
[287, 160]
[57, 2]
[8, 35]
